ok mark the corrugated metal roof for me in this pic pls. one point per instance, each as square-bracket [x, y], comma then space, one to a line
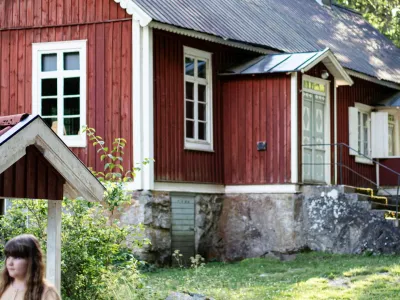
[276, 63]
[289, 26]
[393, 101]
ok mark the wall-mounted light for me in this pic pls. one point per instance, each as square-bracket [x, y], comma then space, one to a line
[324, 74]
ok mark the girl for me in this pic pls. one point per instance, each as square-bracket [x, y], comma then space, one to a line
[23, 274]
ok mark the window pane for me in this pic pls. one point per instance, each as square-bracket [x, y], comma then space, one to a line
[189, 90]
[51, 122]
[201, 69]
[189, 66]
[71, 61]
[190, 129]
[202, 131]
[49, 87]
[49, 107]
[202, 93]
[71, 126]
[202, 114]
[189, 110]
[71, 106]
[71, 86]
[49, 62]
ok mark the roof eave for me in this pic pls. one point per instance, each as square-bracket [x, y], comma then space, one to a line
[135, 11]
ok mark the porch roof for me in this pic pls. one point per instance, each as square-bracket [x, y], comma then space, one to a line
[292, 62]
[20, 132]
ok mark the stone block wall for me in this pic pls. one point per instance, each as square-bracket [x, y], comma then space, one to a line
[237, 226]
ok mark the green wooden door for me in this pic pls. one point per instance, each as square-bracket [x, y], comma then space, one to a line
[183, 224]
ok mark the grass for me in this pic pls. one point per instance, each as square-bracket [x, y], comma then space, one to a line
[309, 276]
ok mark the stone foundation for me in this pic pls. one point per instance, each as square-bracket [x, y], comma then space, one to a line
[237, 226]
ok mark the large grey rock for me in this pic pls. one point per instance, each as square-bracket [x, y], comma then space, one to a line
[254, 224]
[338, 222]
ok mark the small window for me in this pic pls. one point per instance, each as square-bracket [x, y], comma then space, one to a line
[198, 100]
[360, 132]
[59, 88]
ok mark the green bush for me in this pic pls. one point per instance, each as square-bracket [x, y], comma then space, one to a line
[94, 251]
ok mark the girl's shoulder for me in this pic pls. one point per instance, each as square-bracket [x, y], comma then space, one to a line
[50, 292]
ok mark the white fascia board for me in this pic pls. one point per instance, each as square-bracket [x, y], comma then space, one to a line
[294, 163]
[262, 189]
[135, 11]
[389, 84]
[208, 37]
[34, 131]
[189, 187]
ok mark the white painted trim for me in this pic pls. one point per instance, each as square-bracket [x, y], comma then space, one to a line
[335, 130]
[345, 76]
[261, 189]
[53, 261]
[327, 121]
[389, 84]
[137, 100]
[60, 47]
[221, 189]
[33, 131]
[137, 13]
[294, 157]
[195, 143]
[208, 37]
[189, 187]
[147, 106]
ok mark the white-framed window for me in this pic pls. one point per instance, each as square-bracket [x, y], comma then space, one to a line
[59, 88]
[198, 100]
[373, 132]
[360, 132]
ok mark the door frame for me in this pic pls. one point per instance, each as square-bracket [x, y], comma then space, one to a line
[327, 122]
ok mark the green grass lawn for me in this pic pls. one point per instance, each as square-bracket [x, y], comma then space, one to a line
[309, 276]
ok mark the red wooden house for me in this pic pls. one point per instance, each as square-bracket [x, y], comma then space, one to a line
[229, 97]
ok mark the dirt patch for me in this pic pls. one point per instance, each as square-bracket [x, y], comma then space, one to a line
[340, 282]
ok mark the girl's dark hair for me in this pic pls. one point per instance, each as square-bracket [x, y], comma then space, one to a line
[25, 246]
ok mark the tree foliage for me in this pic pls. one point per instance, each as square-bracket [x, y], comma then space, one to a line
[382, 14]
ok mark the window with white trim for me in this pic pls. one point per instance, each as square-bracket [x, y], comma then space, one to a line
[59, 88]
[374, 134]
[360, 132]
[198, 100]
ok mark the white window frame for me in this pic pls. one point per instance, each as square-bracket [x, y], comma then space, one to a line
[396, 113]
[364, 109]
[60, 47]
[195, 143]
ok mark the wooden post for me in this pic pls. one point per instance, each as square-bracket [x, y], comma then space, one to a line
[53, 263]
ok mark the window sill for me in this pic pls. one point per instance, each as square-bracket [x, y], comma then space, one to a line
[363, 160]
[198, 146]
[74, 143]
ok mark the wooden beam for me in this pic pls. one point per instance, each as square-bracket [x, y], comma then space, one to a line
[53, 262]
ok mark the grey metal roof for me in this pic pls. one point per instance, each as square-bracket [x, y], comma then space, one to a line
[288, 26]
[276, 63]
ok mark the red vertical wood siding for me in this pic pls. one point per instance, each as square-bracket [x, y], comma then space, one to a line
[34, 13]
[386, 177]
[172, 162]
[32, 177]
[363, 92]
[257, 108]
[109, 61]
